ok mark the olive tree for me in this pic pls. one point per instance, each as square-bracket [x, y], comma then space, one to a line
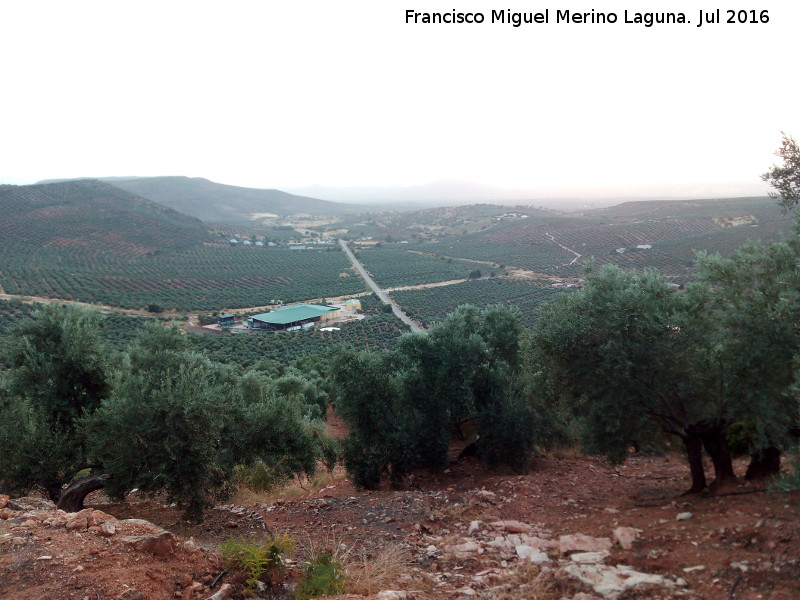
[402, 407]
[163, 419]
[785, 177]
[58, 372]
[754, 300]
[178, 423]
[630, 351]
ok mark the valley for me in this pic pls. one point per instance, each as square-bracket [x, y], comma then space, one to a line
[427, 446]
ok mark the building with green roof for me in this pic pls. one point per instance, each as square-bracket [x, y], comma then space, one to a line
[226, 321]
[291, 317]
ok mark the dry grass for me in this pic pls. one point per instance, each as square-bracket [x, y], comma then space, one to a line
[297, 487]
[530, 582]
[565, 452]
[367, 574]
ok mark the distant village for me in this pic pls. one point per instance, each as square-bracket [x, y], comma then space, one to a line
[292, 244]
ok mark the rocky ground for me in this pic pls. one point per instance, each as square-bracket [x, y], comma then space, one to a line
[578, 529]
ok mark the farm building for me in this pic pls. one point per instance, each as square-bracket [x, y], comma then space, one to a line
[353, 304]
[226, 321]
[291, 317]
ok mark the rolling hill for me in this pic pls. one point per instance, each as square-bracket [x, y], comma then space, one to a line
[101, 218]
[90, 241]
[217, 202]
[660, 234]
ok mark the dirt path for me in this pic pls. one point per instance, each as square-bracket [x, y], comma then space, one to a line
[570, 250]
[378, 291]
[101, 307]
[424, 286]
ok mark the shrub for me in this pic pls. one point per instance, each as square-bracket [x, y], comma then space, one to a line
[789, 482]
[323, 576]
[331, 450]
[260, 476]
[258, 561]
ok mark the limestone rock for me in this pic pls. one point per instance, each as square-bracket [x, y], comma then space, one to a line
[30, 503]
[191, 590]
[157, 544]
[100, 517]
[583, 543]
[684, 516]
[532, 554]
[391, 595]
[80, 520]
[588, 558]
[467, 591]
[537, 542]
[474, 527]
[625, 536]
[511, 526]
[138, 524]
[465, 550]
[607, 580]
[223, 593]
[486, 496]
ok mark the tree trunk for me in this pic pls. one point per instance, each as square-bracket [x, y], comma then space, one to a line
[53, 491]
[694, 452]
[72, 498]
[763, 464]
[716, 444]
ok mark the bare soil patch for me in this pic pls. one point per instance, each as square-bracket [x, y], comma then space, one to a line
[743, 543]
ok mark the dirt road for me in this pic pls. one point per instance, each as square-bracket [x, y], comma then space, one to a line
[378, 291]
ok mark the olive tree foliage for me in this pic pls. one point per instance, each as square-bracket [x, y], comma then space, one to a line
[754, 300]
[631, 352]
[163, 419]
[369, 399]
[58, 371]
[402, 407]
[785, 177]
[179, 423]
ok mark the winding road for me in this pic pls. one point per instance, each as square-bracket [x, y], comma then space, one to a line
[378, 291]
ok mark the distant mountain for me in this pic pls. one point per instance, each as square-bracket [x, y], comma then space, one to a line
[458, 192]
[54, 218]
[217, 202]
[436, 194]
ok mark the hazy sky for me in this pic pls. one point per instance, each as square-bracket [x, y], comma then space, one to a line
[343, 93]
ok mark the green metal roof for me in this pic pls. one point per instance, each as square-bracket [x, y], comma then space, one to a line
[290, 314]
